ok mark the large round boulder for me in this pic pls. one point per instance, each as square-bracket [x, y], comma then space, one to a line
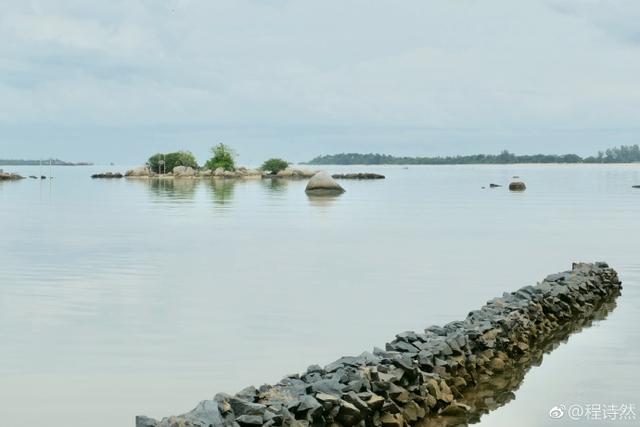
[323, 183]
[517, 186]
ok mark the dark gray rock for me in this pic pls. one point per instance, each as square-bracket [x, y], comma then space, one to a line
[517, 186]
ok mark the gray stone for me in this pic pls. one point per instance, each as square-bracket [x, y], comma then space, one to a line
[139, 172]
[322, 183]
[250, 420]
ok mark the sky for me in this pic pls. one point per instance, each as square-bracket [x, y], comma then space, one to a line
[118, 80]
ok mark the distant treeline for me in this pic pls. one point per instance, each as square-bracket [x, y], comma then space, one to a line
[622, 154]
[54, 162]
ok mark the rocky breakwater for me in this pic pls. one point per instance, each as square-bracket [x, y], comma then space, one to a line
[419, 375]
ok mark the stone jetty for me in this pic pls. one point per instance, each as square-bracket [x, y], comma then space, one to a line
[418, 376]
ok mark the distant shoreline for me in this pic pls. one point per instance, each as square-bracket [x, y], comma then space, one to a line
[53, 162]
[622, 154]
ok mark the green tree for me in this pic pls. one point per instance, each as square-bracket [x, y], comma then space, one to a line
[171, 160]
[274, 165]
[223, 157]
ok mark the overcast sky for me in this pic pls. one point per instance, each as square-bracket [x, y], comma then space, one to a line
[118, 80]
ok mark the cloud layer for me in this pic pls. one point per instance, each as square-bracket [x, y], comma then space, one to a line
[428, 77]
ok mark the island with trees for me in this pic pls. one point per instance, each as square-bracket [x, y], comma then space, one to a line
[622, 154]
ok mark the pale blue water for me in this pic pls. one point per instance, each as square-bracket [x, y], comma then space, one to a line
[128, 297]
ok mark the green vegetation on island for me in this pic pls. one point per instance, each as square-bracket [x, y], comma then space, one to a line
[162, 163]
[274, 165]
[223, 157]
[622, 154]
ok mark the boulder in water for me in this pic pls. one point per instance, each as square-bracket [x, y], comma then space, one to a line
[517, 186]
[323, 183]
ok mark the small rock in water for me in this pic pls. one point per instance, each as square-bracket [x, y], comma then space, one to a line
[636, 186]
[517, 186]
[494, 185]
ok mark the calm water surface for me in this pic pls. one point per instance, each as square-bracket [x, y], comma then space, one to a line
[130, 297]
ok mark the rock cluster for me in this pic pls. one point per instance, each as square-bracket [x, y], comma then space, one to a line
[419, 374]
[107, 175]
[6, 176]
[291, 172]
[361, 175]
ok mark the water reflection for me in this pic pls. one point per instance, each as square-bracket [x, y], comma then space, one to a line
[222, 190]
[494, 392]
[179, 189]
[275, 185]
[322, 200]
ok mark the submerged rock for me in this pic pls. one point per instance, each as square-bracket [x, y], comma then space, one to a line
[517, 186]
[323, 183]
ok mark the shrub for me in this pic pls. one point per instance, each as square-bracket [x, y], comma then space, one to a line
[274, 165]
[171, 160]
[223, 157]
